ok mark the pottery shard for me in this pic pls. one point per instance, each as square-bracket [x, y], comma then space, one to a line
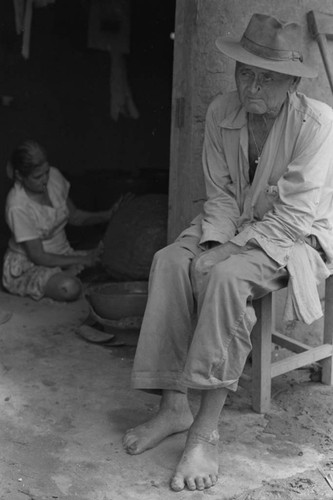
[133, 236]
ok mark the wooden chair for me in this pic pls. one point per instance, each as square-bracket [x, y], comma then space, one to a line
[264, 334]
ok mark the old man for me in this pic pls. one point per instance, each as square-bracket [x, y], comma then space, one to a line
[268, 166]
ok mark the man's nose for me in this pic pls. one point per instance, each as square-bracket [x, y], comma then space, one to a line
[256, 84]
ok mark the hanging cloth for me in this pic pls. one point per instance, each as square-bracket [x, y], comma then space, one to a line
[23, 19]
[109, 30]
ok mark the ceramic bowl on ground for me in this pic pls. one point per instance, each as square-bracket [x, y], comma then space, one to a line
[115, 301]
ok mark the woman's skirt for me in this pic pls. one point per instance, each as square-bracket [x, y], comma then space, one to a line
[22, 277]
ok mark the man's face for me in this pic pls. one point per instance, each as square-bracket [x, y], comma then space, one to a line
[262, 91]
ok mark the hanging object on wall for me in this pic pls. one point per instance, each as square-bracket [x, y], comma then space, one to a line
[109, 30]
[23, 20]
[19, 15]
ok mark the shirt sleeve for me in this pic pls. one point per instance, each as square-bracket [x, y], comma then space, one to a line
[300, 189]
[21, 225]
[59, 187]
[220, 211]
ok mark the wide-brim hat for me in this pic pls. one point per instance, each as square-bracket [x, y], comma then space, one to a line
[270, 44]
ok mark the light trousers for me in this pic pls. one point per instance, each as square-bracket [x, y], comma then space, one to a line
[197, 324]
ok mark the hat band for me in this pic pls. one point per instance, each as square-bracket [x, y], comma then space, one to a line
[269, 53]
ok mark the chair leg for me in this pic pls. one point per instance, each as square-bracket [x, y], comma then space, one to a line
[261, 354]
[327, 364]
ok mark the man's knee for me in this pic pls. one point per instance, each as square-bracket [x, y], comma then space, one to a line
[206, 267]
[171, 255]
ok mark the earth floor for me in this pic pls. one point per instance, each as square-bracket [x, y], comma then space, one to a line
[65, 405]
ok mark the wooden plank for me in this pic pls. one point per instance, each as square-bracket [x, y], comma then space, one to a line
[298, 360]
[289, 343]
[327, 364]
[182, 136]
[245, 381]
[321, 25]
[261, 354]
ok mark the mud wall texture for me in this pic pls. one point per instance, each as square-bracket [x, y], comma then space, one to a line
[201, 72]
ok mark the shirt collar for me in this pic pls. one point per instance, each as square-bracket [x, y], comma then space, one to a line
[236, 119]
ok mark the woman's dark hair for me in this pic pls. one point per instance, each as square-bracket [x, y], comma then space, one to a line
[26, 157]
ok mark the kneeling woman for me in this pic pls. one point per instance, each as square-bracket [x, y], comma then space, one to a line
[39, 261]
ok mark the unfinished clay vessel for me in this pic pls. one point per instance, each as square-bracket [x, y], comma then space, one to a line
[115, 301]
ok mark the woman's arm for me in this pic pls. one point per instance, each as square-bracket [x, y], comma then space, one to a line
[38, 256]
[79, 217]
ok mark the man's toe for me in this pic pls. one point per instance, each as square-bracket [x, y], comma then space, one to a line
[214, 479]
[208, 482]
[130, 444]
[177, 483]
[200, 483]
[191, 484]
[132, 448]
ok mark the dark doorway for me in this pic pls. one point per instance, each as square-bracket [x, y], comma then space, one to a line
[61, 98]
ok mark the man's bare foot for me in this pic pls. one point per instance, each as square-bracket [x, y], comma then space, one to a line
[165, 423]
[198, 466]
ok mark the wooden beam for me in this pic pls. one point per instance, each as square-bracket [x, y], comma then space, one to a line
[261, 353]
[182, 140]
[327, 364]
[289, 343]
[298, 360]
[321, 26]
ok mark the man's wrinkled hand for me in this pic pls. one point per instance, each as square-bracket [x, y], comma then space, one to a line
[219, 253]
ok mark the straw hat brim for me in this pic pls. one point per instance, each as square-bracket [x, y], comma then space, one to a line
[235, 50]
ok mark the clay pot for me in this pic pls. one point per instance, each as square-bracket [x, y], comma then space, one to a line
[115, 301]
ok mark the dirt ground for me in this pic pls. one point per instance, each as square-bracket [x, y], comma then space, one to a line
[65, 405]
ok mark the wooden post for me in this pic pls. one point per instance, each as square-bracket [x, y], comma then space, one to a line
[320, 26]
[261, 354]
[327, 364]
[181, 141]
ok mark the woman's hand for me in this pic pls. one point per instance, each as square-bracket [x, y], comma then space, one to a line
[93, 256]
[124, 198]
[79, 217]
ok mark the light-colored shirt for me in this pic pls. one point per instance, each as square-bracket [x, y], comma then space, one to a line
[29, 220]
[291, 196]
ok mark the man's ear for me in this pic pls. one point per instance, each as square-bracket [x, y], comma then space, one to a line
[294, 84]
[17, 176]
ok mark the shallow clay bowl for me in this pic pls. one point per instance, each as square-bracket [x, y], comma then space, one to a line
[118, 300]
